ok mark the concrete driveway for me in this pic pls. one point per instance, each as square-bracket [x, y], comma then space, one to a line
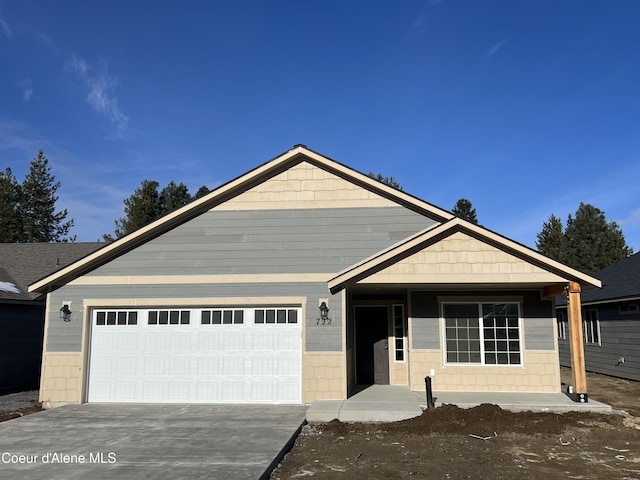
[100, 441]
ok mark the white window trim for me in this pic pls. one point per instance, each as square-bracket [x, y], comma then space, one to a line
[465, 300]
[562, 324]
[588, 341]
[404, 333]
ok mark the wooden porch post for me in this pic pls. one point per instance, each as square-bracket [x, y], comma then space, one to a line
[575, 339]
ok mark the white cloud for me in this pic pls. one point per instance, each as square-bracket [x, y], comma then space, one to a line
[493, 50]
[631, 219]
[100, 87]
[27, 89]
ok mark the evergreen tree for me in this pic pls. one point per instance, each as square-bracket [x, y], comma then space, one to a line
[589, 243]
[37, 205]
[141, 208]
[202, 191]
[464, 209]
[551, 240]
[592, 243]
[173, 197]
[386, 180]
[10, 218]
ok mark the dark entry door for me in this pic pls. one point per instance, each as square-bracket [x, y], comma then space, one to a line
[372, 345]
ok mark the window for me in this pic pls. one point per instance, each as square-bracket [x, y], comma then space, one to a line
[591, 327]
[222, 317]
[482, 333]
[628, 308]
[273, 315]
[398, 332]
[116, 317]
[562, 325]
[169, 317]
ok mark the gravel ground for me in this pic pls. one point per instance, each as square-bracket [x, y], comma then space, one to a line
[17, 401]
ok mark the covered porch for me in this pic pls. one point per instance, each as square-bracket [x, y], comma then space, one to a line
[463, 305]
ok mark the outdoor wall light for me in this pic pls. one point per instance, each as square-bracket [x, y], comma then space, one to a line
[65, 313]
[324, 314]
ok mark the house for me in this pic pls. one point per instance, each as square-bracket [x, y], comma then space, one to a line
[298, 281]
[610, 322]
[21, 312]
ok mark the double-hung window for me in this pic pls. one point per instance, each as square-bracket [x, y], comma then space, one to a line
[591, 327]
[562, 325]
[482, 333]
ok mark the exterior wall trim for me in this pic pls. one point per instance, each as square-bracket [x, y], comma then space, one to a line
[200, 279]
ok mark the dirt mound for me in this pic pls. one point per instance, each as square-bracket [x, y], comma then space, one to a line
[483, 420]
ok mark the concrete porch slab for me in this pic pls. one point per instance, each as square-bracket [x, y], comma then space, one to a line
[391, 403]
[518, 402]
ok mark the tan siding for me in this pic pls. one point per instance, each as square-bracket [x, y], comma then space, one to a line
[539, 373]
[305, 186]
[461, 258]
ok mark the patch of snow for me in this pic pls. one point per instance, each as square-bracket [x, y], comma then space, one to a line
[8, 287]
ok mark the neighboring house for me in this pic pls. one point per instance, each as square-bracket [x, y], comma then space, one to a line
[610, 322]
[298, 281]
[22, 313]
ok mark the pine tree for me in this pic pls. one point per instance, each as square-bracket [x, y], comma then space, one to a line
[392, 182]
[10, 218]
[551, 240]
[141, 208]
[37, 205]
[592, 243]
[464, 209]
[589, 243]
[173, 197]
[202, 191]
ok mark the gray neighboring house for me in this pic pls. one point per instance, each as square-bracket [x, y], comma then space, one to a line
[21, 312]
[610, 321]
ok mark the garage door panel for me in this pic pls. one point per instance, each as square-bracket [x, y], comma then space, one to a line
[239, 362]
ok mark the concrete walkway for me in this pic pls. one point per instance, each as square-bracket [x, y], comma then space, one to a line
[390, 403]
[155, 442]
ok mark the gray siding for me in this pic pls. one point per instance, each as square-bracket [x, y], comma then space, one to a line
[425, 320]
[537, 318]
[538, 321]
[67, 336]
[619, 337]
[271, 241]
[21, 330]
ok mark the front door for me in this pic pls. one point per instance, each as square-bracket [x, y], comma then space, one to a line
[372, 345]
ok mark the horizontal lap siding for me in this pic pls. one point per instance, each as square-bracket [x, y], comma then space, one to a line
[619, 337]
[270, 241]
[537, 318]
[67, 336]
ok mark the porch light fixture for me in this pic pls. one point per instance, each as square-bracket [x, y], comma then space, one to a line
[65, 313]
[324, 314]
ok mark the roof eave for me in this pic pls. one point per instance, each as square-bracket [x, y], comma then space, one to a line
[220, 195]
[372, 264]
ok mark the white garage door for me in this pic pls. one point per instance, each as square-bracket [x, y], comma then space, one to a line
[196, 355]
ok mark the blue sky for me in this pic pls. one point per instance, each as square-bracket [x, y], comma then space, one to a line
[525, 108]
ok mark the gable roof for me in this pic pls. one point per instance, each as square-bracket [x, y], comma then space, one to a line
[620, 281]
[24, 263]
[361, 271]
[297, 154]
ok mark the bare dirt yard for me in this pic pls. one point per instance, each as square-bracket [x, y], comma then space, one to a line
[484, 442]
